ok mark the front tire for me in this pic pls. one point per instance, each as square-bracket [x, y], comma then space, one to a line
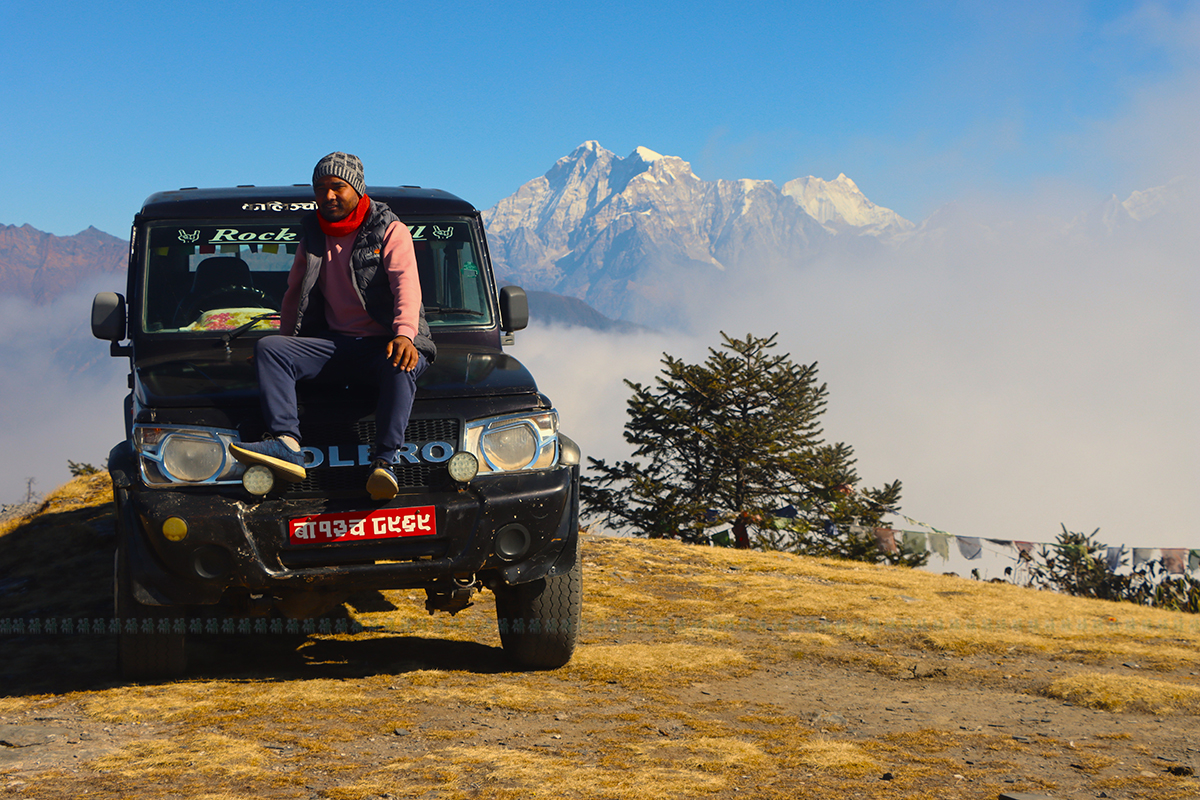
[150, 645]
[539, 620]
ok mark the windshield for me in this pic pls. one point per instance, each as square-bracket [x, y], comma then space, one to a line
[217, 276]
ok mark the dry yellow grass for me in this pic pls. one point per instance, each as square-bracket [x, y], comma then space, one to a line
[84, 491]
[1123, 692]
[709, 753]
[638, 662]
[524, 695]
[399, 778]
[198, 701]
[619, 778]
[671, 693]
[433, 678]
[706, 634]
[206, 753]
[892, 605]
[14, 705]
[810, 641]
[844, 757]
[500, 772]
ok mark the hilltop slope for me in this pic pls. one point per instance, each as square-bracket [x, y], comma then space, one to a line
[703, 673]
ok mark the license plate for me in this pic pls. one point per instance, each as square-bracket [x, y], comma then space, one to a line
[362, 526]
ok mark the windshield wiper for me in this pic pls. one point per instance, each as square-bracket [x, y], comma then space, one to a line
[449, 310]
[229, 336]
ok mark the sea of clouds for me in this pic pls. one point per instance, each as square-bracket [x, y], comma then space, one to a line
[60, 392]
[1013, 372]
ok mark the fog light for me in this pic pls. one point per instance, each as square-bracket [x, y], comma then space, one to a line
[258, 480]
[463, 467]
[212, 562]
[512, 541]
[174, 529]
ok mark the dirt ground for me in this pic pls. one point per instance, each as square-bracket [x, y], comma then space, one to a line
[700, 673]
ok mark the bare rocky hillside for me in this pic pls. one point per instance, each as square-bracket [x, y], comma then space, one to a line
[39, 266]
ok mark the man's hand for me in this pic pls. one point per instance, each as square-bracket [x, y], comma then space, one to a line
[403, 353]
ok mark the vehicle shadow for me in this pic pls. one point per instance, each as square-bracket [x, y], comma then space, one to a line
[56, 618]
[344, 657]
[53, 568]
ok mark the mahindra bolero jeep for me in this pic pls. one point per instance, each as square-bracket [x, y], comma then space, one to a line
[489, 486]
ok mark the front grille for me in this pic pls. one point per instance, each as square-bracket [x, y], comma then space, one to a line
[362, 431]
[348, 435]
[326, 480]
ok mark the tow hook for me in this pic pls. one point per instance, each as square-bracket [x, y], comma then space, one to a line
[451, 596]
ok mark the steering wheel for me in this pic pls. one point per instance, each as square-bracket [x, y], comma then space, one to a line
[224, 297]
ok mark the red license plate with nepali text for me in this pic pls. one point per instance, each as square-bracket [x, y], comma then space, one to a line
[362, 526]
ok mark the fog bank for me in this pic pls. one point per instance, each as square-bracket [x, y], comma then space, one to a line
[60, 391]
[1012, 371]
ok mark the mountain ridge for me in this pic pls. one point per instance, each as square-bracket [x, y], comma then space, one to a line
[616, 232]
[627, 236]
[39, 266]
[631, 235]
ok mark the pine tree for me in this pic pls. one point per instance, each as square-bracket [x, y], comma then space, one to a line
[734, 440]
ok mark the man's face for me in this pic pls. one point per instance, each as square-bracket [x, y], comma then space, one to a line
[335, 198]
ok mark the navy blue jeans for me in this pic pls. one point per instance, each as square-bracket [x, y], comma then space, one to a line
[283, 360]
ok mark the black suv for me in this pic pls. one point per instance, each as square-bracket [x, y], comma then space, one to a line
[489, 487]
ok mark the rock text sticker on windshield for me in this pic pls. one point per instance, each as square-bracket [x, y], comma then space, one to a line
[360, 526]
[236, 236]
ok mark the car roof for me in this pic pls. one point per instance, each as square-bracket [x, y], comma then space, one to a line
[255, 201]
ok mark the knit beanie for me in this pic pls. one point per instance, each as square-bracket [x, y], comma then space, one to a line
[345, 166]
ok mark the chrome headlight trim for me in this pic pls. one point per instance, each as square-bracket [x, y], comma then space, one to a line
[186, 447]
[514, 442]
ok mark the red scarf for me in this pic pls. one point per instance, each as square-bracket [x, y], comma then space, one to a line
[349, 225]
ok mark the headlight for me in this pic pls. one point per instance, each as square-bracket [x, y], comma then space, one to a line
[191, 459]
[516, 442]
[510, 447]
[171, 455]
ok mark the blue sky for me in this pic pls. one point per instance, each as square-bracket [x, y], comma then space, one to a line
[921, 103]
[1014, 378]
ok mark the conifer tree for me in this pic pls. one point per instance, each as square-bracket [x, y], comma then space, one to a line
[735, 440]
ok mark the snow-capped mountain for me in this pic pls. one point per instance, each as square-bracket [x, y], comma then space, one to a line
[625, 233]
[840, 206]
[640, 236]
[1142, 206]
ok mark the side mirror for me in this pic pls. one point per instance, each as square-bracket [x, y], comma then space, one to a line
[108, 317]
[514, 309]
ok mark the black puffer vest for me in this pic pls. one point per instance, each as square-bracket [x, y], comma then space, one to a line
[370, 279]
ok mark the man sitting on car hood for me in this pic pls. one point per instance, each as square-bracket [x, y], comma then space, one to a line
[352, 311]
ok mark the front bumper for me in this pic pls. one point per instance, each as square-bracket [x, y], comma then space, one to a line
[236, 542]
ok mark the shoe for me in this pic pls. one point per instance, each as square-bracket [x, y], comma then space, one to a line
[382, 485]
[285, 462]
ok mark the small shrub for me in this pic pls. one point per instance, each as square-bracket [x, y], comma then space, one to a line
[1077, 564]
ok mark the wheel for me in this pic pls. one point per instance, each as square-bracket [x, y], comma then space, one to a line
[539, 620]
[151, 645]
